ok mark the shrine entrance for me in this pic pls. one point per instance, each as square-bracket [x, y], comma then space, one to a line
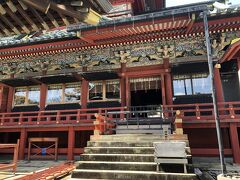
[145, 91]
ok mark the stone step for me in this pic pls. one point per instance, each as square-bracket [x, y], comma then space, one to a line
[119, 144]
[139, 137]
[106, 165]
[129, 143]
[131, 166]
[130, 175]
[119, 150]
[85, 179]
[118, 157]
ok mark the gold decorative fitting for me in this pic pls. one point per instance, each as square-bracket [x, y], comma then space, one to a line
[178, 112]
[217, 66]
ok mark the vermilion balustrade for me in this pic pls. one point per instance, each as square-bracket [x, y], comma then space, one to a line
[189, 112]
[78, 116]
[204, 111]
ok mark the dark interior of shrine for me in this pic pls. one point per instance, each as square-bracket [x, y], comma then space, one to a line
[146, 97]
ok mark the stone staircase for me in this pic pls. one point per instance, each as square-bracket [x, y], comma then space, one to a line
[126, 156]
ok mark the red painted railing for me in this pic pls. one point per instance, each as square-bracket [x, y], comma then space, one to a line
[204, 111]
[189, 112]
[77, 116]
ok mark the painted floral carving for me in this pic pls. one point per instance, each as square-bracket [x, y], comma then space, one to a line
[166, 51]
[218, 44]
[139, 54]
[123, 55]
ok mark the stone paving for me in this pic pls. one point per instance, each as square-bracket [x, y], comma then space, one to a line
[209, 168]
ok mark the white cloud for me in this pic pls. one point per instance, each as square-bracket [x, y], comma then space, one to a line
[171, 3]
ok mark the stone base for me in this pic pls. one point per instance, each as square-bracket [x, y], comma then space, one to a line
[221, 177]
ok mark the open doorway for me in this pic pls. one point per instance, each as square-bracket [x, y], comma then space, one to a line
[145, 91]
[144, 98]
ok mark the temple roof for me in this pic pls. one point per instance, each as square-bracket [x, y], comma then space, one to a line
[167, 23]
[28, 16]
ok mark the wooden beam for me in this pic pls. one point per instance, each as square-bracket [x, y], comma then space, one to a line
[71, 143]
[76, 20]
[24, 7]
[1, 35]
[42, 5]
[2, 10]
[76, 3]
[62, 9]
[235, 142]
[189, 28]
[53, 20]
[40, 19]
[90, 17]
[17, 20]
[6, 21]
[79, 35]
[64, 19]
[27, 18]
[11, 6]
[4, 29]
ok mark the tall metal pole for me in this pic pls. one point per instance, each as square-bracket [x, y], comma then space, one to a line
[215, 107]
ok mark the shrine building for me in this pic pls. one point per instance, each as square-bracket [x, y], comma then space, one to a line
[63, 61]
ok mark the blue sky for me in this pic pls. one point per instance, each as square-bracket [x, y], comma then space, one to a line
[170, 3]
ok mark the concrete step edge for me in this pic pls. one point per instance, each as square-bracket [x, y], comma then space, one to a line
[134, 141]
[129, 172]
[147, 155]
[116, 162]
[85, 178]
[127, 147]
[141, 134]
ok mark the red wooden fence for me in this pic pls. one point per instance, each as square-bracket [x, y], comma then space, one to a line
[189, 112]
[77, 117]
[204, 111]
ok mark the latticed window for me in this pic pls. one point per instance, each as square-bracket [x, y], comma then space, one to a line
[147, 83]
[27, 96]
[112, 90]
[64, 93]
[104, 90]
[191, 84]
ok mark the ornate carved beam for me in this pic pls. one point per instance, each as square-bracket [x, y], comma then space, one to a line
[26, 17]
[40, 19]
[17, 20]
